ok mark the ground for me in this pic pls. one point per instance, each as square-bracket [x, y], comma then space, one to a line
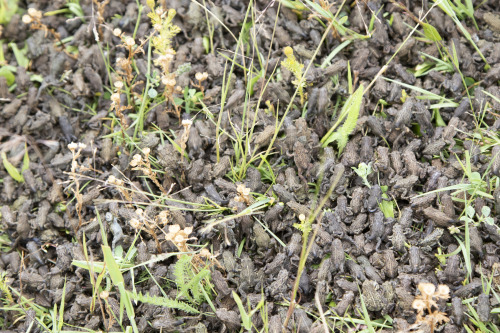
[235, 165]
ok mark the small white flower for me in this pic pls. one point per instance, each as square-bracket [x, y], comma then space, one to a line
[419, 305]
[173, 229]
[443, 290]
[72, 146]
[82, 145]
[115, 98]
[427, 288]
[27, 19]
[117, 32]
[201, 76]
[118, 84]
[146, 151]
[136, 160]
[34, 13]
[129, 41]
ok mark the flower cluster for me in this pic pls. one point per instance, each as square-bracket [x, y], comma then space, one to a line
[144, 165]
[33, 15]
[76, 150]
[427, 307]
[163, 217]
[179, 236]
[244, 195]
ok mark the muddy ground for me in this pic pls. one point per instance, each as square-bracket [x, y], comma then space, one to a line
[193, 185]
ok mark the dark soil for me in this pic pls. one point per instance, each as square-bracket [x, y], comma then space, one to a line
[412, 149]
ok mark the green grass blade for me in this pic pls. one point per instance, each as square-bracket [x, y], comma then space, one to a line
[245, 318]
[26, 160]
[61, 310]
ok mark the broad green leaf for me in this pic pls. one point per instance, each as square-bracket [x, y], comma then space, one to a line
[475, 178]
[13, 172]
[431, 32]
[36, 78]
[7, 10]
[469, 210]
[7, 74]
[178, 101]
[20, 55]
[485, 210]
[387, 207]
[152, 93]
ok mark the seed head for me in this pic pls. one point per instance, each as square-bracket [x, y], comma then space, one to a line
[134, 223]
[288, 51]
[427, 289]
[418, 305]
[168, 81]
